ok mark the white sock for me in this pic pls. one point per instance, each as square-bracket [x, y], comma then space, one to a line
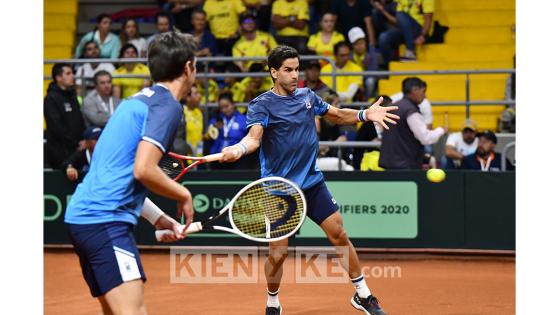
[361, 287]
[273, 300]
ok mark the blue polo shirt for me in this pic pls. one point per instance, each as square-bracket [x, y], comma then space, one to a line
[109, 192]
[289, 145]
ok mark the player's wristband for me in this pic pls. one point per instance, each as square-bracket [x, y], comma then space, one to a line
[242, 147]
[151, 212]
[362, 115]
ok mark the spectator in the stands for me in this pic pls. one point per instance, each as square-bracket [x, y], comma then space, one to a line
[252, 87]
[89, 69]
[322, 43]
[351, 13]
[100, 103]
[346, 86]
[223, 19]
[507, 121]
[384, 16]
[108, 42]
[182, 12]
[485, 158]
[364, 56]
[414, 23]
[402, 146]
[204, 38]
[460, 144]
[163, 24]
[64, 120]
[131, 35]
[252, 43]
[262, 10]
[425, 108]
[125, 87]
[312, 78]
[232, 84]
[367, 132]
[194, 118]
[290, 19]
[81, 159]
[230, 122]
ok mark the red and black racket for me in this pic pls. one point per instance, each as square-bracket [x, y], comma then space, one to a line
[176, 165]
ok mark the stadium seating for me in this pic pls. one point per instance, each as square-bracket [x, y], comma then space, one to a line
[59, 31]
[480, 37]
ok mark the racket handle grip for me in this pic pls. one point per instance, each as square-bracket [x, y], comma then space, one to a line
[194, 227]
[213, 157]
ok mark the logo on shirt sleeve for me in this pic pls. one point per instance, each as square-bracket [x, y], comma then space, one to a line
[307, 103]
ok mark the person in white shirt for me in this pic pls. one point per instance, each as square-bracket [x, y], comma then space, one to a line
[100, 104]
[460, 144]
[89, 69]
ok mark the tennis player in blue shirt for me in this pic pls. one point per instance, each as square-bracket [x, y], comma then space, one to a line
[282, 124]
[124, 166]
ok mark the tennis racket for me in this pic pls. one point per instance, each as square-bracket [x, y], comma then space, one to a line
[176, 165]
[266, 210]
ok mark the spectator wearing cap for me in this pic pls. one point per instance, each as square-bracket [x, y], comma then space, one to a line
[252, 43]
[485, 158]
[322, 43]
[290, 18]
[100, 104]
[64, 120]
[402, 145]
[346, 86]
[364, 56]
[108, 42]
[223, 19]
[459, 145]
[125, 87]
[352, 13]
[81, 159]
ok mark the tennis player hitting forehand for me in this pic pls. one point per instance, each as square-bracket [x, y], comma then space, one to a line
[107, 204]
[282, 124]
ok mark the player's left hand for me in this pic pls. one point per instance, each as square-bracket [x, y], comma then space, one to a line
[380, 115]
[231, 154]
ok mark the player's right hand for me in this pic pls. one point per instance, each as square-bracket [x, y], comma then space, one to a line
[231, 153]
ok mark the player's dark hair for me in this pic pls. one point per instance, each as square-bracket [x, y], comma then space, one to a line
[279, 54]
[168, 53]
[58, 68]
[226, 96]
[411, 82]
[339, 45]
[125, 47]
[100, 73]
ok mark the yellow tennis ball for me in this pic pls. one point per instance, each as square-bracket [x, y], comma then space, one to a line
[435, 175]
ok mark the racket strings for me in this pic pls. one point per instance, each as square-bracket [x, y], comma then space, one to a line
[268, 210]
[171, 166]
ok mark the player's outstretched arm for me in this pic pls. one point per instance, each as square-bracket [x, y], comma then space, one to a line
[249, 144]
[375, 113]
[147, 171]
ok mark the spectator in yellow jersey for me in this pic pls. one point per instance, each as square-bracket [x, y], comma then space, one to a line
[414, 24]
[223, 19]
[125, 87]
[290, 18]
[195, 122]
[252, 87]
[253, 43]
[346, 86]
[322, 43]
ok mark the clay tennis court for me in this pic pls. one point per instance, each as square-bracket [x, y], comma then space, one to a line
[428, 284]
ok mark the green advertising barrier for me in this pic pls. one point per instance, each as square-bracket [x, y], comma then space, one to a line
[379, 209]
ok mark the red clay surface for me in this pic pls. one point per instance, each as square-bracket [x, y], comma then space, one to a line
[425, 286]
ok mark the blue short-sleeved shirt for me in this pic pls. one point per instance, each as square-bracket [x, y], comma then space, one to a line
[289, 145]
[109, 191]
